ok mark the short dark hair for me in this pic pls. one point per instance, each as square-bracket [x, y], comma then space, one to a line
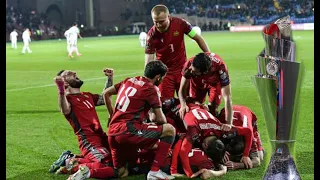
[75, 23]
[215, 150]
[236, 145]
[170, 104]
[60, 72]
[154, 68]
[202, 62]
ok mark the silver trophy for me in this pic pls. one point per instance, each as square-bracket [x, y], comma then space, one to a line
[278, 83]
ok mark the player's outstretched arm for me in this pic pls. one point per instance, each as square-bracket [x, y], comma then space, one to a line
[210, 173]
[64, 105]
[109, 82]
[226, 94]
[109, 73]
[148, 58]
[182, 93]
[107, 93]
[201, 43]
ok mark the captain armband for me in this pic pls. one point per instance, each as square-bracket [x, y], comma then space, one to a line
[192, 33]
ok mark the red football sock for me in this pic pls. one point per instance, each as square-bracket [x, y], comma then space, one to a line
[161, 154]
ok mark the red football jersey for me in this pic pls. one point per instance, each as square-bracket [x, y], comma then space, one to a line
[244, 117]
[135, 98]
[201, 123]
[169, 46]
[198, 158]
[218, 73]
[84, 119]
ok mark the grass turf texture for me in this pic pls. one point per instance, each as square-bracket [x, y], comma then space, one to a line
[36, 132]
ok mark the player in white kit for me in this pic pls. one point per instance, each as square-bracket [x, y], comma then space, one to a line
[74, 33]
[67, 35]
[142, 39]
[13, 39]
[26, 40]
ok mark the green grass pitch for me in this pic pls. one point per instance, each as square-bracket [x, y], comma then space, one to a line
[36, 132]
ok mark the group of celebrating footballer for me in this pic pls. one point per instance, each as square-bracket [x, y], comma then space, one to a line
[152, 132]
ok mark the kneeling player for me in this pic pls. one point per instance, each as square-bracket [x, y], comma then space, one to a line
[127, 132]
[244, 117]
[79, 109]
[235, 149]
[205, 130]
[200, 163]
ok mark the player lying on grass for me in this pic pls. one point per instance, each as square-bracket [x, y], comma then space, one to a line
[234, 150]
[204, 130]
[127, 133]
[79, 110]
[206, 73]
[244, 117]
[199, 162]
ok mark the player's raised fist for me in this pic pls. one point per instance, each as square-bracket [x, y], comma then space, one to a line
[59, 81]
[108, 72]
[60, 84]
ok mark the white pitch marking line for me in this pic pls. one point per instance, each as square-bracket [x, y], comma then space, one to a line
[49, 85]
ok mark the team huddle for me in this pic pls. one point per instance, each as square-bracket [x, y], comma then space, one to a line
[152, 132]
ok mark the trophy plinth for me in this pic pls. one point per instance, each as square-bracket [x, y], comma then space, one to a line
[278, 84]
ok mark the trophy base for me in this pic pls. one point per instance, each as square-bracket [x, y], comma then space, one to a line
[282, 167]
